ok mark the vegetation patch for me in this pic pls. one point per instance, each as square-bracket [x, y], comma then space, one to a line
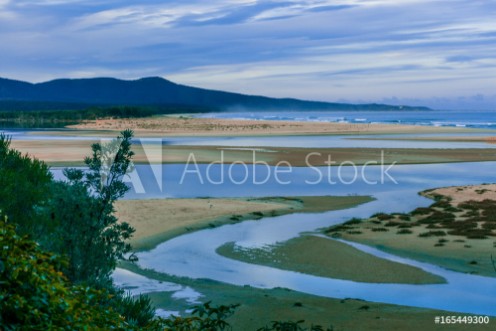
[329, 258]
[460, 224]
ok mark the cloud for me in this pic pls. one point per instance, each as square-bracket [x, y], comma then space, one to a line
[313, 49]
[5, 13]
[159, 15]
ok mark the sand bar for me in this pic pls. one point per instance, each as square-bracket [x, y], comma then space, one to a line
[64, 152]
[187, 126]
[157, 220]
[324, 257]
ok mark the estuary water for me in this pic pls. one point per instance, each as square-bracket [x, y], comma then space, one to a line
[193, 255]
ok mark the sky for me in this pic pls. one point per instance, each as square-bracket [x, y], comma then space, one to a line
[440, 53]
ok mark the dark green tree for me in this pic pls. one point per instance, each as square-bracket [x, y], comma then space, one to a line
[24, 188]
[82, 207]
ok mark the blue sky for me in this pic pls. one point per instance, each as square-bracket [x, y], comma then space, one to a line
[437, 53]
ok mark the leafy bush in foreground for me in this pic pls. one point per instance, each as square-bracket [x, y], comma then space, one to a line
[35, 295]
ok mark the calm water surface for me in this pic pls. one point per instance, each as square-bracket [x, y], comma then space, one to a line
[193, 255]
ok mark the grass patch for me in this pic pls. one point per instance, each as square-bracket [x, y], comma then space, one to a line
[329, 258]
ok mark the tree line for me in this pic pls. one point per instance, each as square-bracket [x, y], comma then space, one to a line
[44, 116]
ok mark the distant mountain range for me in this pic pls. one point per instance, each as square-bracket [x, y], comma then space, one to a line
[153, 91]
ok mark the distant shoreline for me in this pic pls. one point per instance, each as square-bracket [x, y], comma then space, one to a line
[188, 126]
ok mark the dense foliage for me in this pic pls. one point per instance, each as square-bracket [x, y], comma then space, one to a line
[24, 187]
[73, 219]
[35, 295]
[83, 210]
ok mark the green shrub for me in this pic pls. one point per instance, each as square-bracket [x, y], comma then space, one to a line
[432, 234]
[137, 312]
[353, 221]
[422, 211]
[205, 317]
[35, 295]
[384, 217]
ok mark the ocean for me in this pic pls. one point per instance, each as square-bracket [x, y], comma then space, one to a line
[450, 118]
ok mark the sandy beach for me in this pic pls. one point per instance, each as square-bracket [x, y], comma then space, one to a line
[459, 194]
[187, 126]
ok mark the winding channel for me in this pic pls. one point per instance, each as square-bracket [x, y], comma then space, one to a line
[193, 255]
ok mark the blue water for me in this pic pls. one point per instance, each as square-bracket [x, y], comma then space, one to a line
[193, 255]
[450, 118]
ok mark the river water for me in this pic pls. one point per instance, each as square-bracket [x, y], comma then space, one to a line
[193, 255]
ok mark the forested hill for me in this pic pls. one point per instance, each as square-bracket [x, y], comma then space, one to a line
[153, 91]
